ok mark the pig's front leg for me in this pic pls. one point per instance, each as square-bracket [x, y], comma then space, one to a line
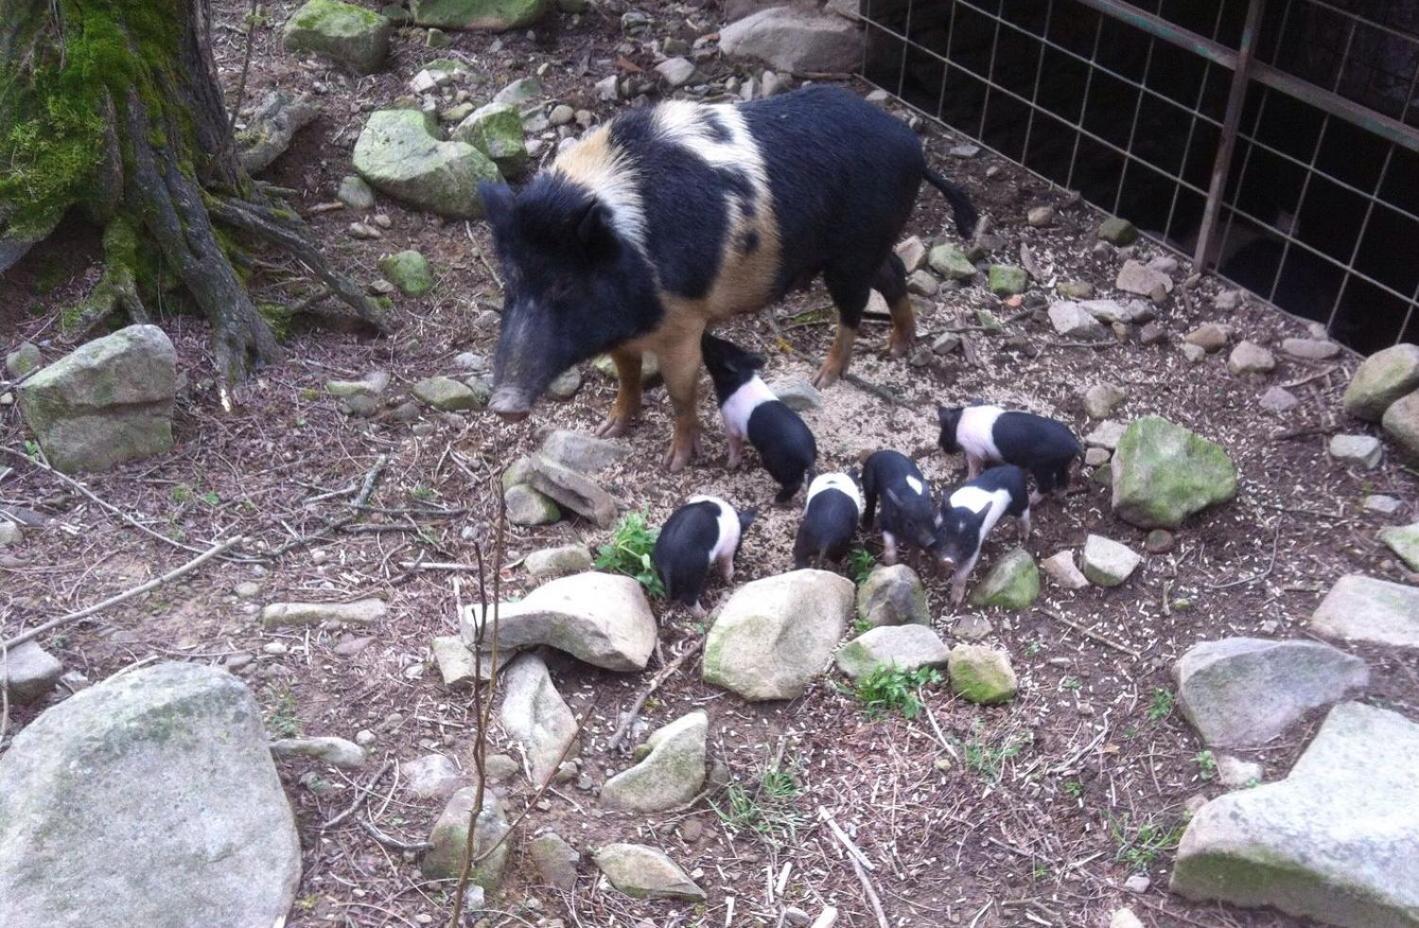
[973, 466]
[835, 364]
[736, 450]
[1023, 524]
[959, 578]
[903, 326]
[680, 366]
[627, 404]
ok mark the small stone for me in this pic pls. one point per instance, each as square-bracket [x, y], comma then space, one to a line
[1106, 434]
[1310, 349]
[446, 394]
[1013, 582]
[1367, 609]
[1380, 380]
[409, 271]
[1237, 773]
[1074, 321]
[972, 627]
[247, 589]
[1007, 280]
[1137, 884]
[1363, 451]
[1074, 290]
[964, 150]
[981, 675]
[676, 71]
[1108, 563]
[1209, 337]
[1401, 424]
[1152, 334]
[1142, 280]
[1158, 541]
[1278, 400]
[1102, 399]
[892, 595]
[950, 262]
[364, 737]
[1378, 502]
[797, 393]
[1192, 353]
[906, 647]
[922, 283]
[565, 385]
[342, 32]
[551, 563]
[1124, 918]
[360, 230]
[1040, 217]
[946, 343]
[10, 533]
[1404, 542]
[1060, 568]
[671, 773]
[913, 253]
[360, 612]
[28, 672]
[449, 840]
[555, 859]
[645, 873]
[1096, 456]
[337, 752]
[1162, 473]
[1250, 358]
[27, 358]
[526, 506]
[1118, 231]
[1229, 300]
[520, 92]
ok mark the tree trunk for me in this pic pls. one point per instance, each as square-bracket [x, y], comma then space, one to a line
[113, 106]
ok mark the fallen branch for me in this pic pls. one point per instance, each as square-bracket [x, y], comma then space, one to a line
[360, 795]
[826, 919]
[853, 850]
[857, 859]
[1301, 381]
[389, 841]
[1092, 635]
[366, 490]
[185, 569]
[664, 674]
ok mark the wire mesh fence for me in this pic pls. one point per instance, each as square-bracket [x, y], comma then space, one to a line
[1304, 111]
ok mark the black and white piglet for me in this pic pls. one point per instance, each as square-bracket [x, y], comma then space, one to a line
[751, 411]
[829, 520]
[908, 513]
[1046, 448]
[703, 533]
[971, 511]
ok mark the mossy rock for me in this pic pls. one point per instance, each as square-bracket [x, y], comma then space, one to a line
[496, 131]
[1012, 583]
[1008, 280]
[444, 858]
[482, 15]
[343, 32]
[981, 675]
[1162, 473]
[399, 154]
[409, 271]
[950, 262]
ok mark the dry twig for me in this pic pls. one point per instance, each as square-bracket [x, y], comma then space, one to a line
[665, 672]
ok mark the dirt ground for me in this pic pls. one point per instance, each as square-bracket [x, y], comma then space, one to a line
[1031, 813]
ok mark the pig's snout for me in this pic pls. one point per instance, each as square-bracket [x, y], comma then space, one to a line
[512, 404]
[948, 562]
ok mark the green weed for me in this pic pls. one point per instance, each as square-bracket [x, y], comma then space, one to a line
[1206, 765]
[988, 757]
[886, 688]
[1162, 705]
[860, 563]
[628, 552]
[284, 723]
[1074, 788]
[1140, 845]
[768, 810]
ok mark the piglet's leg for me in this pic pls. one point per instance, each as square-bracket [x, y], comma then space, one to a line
[973, 466]
[680, 366]
[726, 568]
[1023, 524]
[959, 578]
[736, 450]
[627, 404]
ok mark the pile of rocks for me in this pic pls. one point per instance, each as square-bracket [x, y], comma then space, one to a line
[1385, 389]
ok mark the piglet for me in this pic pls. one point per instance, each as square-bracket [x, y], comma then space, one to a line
[971, 511]
[908, 514]
[703, 533]
[1046, 448]
[751, 411]
[829, 520]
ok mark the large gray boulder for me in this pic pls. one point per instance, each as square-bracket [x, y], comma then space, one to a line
[1163, 473]
[1366, 609]
[1401, 424]
[107, 402]
[1336, 841]
[398, 153]
[149, 799]
[603, 619]
[776, 634]
[535, 716]
[1242, 692]
[1381, 379]
[670, 775]
[343, 32]
[792, 39]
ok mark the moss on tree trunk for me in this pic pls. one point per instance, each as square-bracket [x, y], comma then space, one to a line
[113, 107]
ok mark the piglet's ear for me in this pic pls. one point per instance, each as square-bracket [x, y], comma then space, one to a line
[746, 519]
[593, 229]
[497, 200]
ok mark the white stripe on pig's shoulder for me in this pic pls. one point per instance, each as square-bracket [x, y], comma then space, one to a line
[687, 124]
[728, 541]
[976, 431]
[741, 404]
[834, 481]
[600, 166]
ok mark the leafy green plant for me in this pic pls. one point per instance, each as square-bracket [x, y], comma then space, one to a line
[885, 688]
[1162, 705]
[861, 564]
[767, 810]
[182, 493]
[284, 722]
[1034, 647]
[861, 627]
[1072, 683]
[211, 498]
[1074, 788]
[1206, 765]
[422, 494]
[988, 757]
[628, 552]
[1140, 845]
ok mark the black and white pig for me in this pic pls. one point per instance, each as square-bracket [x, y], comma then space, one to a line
[908, 513]
[1046, 448]
[703, 533]
[751, 411]
[829, 520]
[970, 512]
[672, 218]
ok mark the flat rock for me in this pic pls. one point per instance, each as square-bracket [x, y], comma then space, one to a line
[1310, 349]
[1101, 400]
[433, 776]
[534, 715]
[1366, 609]
[481, 15]
[1403, 540]
[1278, 400]
[459, 665]
[1236, 773]
[1209, 336]
[1243, 692]
[797, 40]
[449, 839]
[1381, 379]
[556, 860]
[1138, 278]
[1401, 424]
[359, 397]
[670, 775]
[1118, 231]
[1006, 279]
[892, 595]
[585, 454]
[1013, 582]
[342, 32]
[28, 672]
[774, 635]
[398, 153]
[1060, 568]
[905, 647]
[951, 263]
[797, 393]
[107, 402]
[1250, 358]
[1382, 503]
[1072, 320]
[912, 252]
[1335, 841]
[447, 395]
[981, 675]
[1362, 451]
[526, 506]
[1106, 435]
[337, 752]
[602, 619]
[1107, 562]
[551, 563]
[360, 612]
[1109, 312]
[676, 71]
[572, 490]
[496, 129]
[147, 799]
[1163, 473]
[645, 873]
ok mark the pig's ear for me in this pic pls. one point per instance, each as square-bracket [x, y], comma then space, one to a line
[593, 228]
[746, 519]
[498, 200]
[754, 362]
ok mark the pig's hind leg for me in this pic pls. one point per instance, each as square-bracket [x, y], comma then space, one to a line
[627, 404]
[891, 282]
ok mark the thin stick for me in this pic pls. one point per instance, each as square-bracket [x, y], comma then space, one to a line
[187, 568]
[388, 841]
[665, 672]
[1316, 376]
[853, 850]
[360, 795]
[870, 893]
[1095, 636]
[366, 490]
[1261, 575]
[826, 919]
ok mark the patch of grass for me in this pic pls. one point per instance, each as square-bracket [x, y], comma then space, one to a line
[1206, 765]
[1141, 844]
[422, 494]
[1074, 788]
[1033, 648]
[1072, 683]
[284, 723]
[861, 627]
[988, 757]
[182, 493]
[885, 688]
[628, 552]
[1162, 704]
[860, 563]
[767, 810]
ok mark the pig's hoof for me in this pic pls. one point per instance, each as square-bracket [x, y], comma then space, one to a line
[679, 456]
[826, 378]
[899, 347]
[614, 427]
